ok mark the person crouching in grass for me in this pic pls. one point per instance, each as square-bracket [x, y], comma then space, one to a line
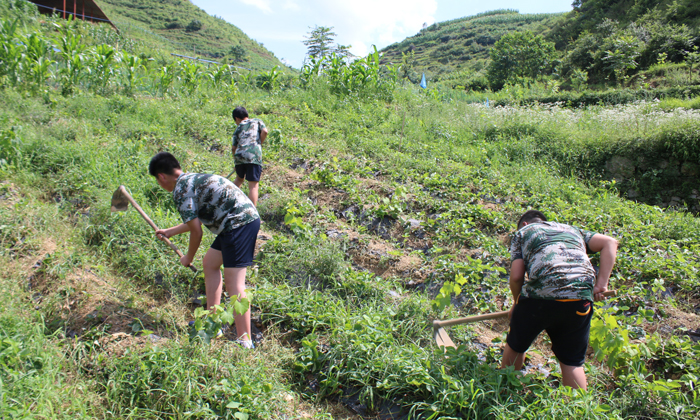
[215, 202]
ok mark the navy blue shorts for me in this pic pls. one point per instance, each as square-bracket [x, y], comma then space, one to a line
[237, 246]
[249, 172]
[568, 325]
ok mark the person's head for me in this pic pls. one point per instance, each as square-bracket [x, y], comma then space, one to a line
[164, 168]
[531, 216]
[239, 114]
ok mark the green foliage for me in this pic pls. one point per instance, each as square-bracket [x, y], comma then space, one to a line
[207, 324]
[519, 55]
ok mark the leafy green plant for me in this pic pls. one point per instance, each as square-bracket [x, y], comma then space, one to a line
[208, 324]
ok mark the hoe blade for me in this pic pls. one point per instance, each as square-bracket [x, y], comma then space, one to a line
[441, 337]
[119, 200]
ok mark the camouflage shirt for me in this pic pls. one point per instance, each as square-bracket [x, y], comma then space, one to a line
[556, 261]
[246, 139]
[215, 200]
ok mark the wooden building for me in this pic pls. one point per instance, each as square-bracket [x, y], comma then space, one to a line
[79, 9]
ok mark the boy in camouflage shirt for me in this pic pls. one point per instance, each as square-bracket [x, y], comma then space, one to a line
[247, 150]
[559, 293]
[215, 202]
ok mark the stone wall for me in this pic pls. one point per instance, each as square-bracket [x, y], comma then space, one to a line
[665, 182]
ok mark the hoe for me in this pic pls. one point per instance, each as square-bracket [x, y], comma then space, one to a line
[444, 340]
[120, 202]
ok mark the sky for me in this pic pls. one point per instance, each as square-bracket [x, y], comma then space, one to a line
[282, 25]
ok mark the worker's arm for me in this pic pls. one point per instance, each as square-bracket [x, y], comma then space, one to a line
[233, 151]
[263, 135]
[517, 278]
[195, 229]
[170, 232]
[607, 246]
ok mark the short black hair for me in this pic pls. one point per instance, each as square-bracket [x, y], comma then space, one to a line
[163, 163]
[239, 112]
[531, 215]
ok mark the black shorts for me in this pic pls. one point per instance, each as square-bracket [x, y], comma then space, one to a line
[249, 172]
[567, 324]
[237, 246]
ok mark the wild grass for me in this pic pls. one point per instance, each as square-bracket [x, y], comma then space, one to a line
[333, 331]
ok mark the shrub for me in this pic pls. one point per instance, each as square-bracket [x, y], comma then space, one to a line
[193, 26]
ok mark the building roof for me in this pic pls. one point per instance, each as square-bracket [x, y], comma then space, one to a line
[82, 9]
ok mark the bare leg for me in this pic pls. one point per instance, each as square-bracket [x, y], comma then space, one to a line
[512, 358]
[573, 376]
[212, 276]
[253, 192]
[235, 285]
[238, 181]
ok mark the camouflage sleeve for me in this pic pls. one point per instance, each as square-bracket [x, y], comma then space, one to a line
[261, 127]
[187, 208]
[234, 139]
[516, 250]
[586, 235]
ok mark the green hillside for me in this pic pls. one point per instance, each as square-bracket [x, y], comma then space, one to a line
[384, 207]
[600, 44]
[188, 29]
[462, 45]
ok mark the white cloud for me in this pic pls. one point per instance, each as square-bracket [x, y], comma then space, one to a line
[263, 5]
[362, 23]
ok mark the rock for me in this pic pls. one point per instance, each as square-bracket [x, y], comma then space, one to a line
[394, 294]
[154, 338]
[620, 167]
[333, 234]
[414, 223]
[632, 193]
[351, 212]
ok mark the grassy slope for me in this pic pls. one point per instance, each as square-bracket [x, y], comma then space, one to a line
[213, 41]
[101, 277]
[463, 44]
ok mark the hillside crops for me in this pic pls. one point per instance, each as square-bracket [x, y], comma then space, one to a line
[374, 197]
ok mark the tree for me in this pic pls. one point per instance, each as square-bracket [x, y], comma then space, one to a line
[519, 55]
[319, 42]
[238, 53]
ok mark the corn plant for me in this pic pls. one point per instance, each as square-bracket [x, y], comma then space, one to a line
[132, 65]
[190, 73]
[165, 78]
[268, 81]
[10, 51]
[102, 59]
[73, 56]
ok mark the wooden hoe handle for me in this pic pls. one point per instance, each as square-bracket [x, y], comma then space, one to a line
[494, 315]
[153, 225]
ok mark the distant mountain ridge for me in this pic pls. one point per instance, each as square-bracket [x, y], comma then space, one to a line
[190, 30]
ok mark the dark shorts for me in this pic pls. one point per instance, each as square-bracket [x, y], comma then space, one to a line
[249, 172]
[237, 246]
[567, 324]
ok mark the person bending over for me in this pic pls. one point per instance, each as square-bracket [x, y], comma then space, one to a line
[559, 293]
[215, 202]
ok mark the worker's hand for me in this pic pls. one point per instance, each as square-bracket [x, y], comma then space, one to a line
[185, 260]
[163, 233]
[598, 293]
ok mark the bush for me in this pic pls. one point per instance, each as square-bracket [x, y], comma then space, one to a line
[194, 26]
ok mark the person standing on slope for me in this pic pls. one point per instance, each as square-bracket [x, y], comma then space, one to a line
[247, 151]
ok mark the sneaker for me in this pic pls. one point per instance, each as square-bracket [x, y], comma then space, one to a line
[246, 344]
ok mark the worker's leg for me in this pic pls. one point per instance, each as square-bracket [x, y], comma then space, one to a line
[238, 181]
[512, 358]
[573, 376]
[212, 276]
[253, 192]
[235, 286]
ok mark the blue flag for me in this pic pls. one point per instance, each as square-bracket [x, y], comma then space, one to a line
[423, 83]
